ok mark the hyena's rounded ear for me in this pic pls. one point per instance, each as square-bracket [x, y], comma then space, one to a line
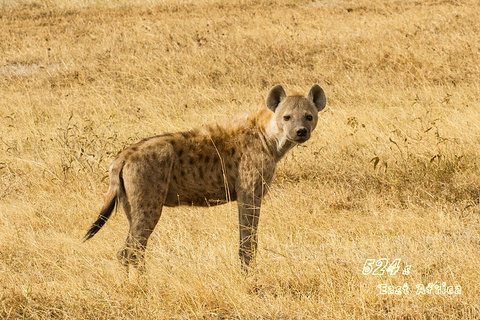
[274, 97]
[317, 96]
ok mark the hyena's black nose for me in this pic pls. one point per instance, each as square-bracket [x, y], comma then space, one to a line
[302, 132]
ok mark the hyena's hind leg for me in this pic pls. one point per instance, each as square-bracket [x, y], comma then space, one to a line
[146, 177]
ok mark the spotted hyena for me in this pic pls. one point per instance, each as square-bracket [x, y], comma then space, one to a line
[208, 166]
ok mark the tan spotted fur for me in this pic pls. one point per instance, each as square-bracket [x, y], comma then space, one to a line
[208, 166]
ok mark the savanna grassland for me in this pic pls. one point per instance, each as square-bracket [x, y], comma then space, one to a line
[392, 171]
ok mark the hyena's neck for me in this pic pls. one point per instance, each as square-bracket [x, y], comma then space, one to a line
[272, 137]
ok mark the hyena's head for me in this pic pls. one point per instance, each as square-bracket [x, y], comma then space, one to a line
[296, 116]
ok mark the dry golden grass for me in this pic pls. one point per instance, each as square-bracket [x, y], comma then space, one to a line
[391, 172]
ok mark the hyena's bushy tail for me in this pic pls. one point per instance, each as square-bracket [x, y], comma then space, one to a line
[115, 190]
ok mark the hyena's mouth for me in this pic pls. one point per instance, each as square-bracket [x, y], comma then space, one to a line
[299, 134]
[301, 139]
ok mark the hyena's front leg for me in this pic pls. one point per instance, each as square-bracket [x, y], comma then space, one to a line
[249, 203]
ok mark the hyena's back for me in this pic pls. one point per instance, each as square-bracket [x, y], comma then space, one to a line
[199, 167]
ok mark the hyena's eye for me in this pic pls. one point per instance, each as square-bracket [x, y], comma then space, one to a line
[309, 117]
[286, 118]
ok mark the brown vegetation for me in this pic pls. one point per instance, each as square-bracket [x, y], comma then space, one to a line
[391, 171]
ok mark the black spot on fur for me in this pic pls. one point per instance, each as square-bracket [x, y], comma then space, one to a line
[200, 157]
[233, 152]
[207, 159]
[200, 173]
[186, 134]
[180, 152]
[191, 161]
[182, 173]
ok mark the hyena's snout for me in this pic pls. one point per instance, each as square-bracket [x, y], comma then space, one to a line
[302, 132]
